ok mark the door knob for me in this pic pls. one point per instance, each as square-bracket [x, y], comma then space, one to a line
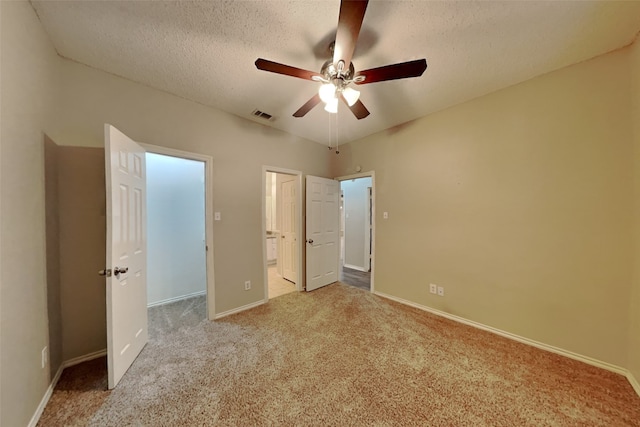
[120, 270]
[310, 241]
[106, 272]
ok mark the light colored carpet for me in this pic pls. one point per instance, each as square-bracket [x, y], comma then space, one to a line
[338, 356]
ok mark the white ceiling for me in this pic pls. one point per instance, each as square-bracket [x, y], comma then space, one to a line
[205, 50]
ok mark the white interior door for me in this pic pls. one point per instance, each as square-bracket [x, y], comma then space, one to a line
[369, 229]
[126, 252]
[289, 238]
[323, 231]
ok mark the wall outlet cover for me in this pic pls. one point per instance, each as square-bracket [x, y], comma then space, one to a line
[433, 288]
[440, 291]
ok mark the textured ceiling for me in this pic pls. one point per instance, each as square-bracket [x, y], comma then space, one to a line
[205, 50]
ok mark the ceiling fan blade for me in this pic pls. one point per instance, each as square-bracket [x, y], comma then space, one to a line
[274, 67]
[315, 100]
[358, 109]
[349, 23]
[402, 70]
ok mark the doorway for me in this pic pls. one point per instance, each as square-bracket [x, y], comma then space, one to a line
[357, 230]
[281, 231]
[176, 247]
[179, 229]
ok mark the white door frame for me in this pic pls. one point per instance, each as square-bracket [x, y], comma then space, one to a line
[298, 181]
[208, 208]
[371, 174]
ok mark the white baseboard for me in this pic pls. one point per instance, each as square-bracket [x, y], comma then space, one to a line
[71, 362]
[45, 399]
[239, 309]
[634, 382]
[84, 358]
[174, 299]
[537, 344]
[356, 267]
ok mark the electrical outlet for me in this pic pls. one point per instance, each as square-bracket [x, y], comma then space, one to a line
[440, 291]
[45, 356]
[433, 288]
[247, 285]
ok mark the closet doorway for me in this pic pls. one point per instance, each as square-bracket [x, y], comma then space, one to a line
[179, 228]
[357, 230]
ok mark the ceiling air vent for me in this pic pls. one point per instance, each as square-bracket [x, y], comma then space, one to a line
[262, 114]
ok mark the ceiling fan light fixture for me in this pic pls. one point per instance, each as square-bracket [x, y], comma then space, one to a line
[332, 106]
[338, 72]
[351, 95]
[327, 92]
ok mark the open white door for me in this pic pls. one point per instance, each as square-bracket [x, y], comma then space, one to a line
[126, 252]
[323, 231]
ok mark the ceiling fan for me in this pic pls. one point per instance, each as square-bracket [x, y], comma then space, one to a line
[337, 74]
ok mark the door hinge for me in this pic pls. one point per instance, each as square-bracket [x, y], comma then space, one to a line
[106, 272]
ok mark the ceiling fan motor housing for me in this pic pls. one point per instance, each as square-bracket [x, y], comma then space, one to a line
[330, 71]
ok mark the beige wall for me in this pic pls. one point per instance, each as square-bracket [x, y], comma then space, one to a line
[519, 203]
[634, 330]
[239, 148]
[28, 81]
[89, 98]
[75, 251]
[82, 206]
[52, 197]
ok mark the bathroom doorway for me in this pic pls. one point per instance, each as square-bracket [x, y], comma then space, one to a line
[282, 222]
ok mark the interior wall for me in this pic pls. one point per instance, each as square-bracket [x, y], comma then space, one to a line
[356, 221]
[28, 78]
[518, 203]
[238, 146]
[634, 330]
[82, 202]
[176, 260]
[52, 227]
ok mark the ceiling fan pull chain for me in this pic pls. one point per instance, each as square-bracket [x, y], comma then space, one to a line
[331, 133]
[337, 139]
